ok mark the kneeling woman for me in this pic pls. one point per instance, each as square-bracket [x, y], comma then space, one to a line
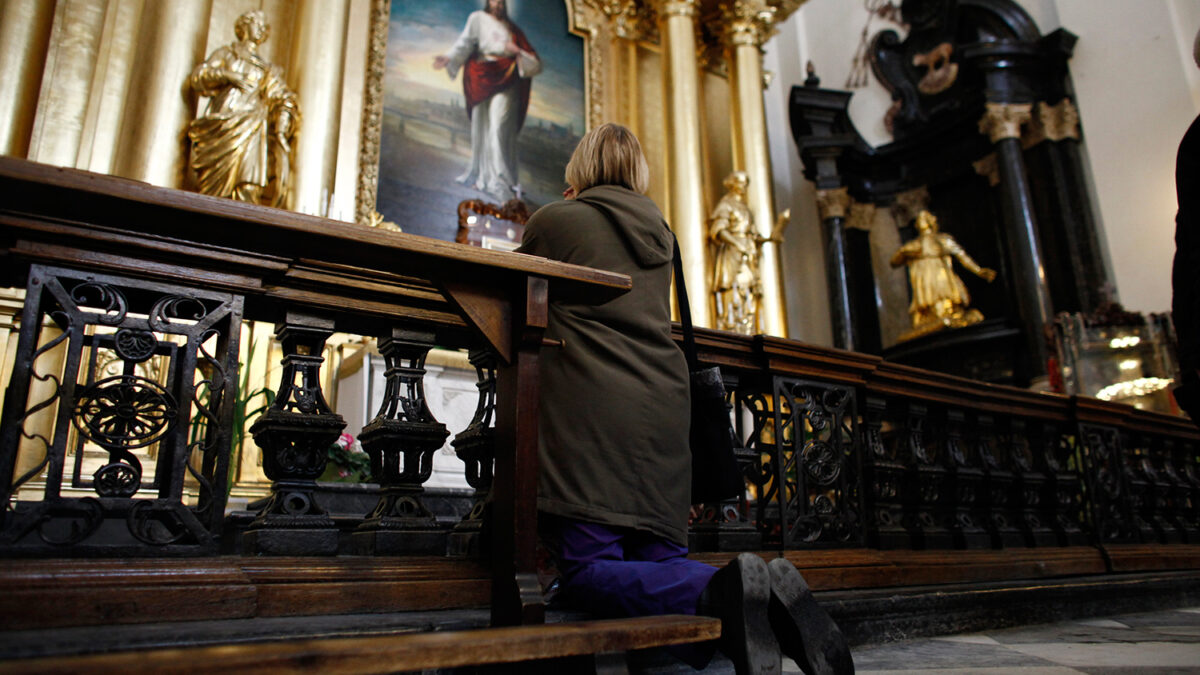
[615, 466]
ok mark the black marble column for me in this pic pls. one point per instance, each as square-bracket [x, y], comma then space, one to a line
[1083, 284]
[833, 206]
[1002, 122]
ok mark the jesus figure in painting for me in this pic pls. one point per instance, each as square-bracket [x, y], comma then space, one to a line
[499, 65]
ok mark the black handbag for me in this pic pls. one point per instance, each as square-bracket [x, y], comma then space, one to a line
[715, 474]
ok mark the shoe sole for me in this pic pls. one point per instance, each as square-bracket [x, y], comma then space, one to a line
[755, 650]
[808, 634]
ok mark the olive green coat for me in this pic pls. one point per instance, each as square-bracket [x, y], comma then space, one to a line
[615, 406]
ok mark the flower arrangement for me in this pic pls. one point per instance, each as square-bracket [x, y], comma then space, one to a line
[348, 463]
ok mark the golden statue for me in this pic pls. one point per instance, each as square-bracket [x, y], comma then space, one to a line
[737, 249]
[939, 298]
[242, 145]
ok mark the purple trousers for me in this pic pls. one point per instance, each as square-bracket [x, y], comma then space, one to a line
[615, 572]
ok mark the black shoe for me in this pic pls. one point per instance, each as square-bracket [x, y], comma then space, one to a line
[738, 595]
[806, 633]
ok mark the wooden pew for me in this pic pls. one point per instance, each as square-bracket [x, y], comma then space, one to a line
[392, 653]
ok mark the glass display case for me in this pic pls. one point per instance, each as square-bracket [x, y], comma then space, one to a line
[1118, 356]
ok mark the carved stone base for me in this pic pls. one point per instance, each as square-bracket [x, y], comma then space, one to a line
[291, 540]
[967, 532]
[464, 543]
[468, 539]
[400, 523]
[715, 538]
[398, 542]
[292, 522]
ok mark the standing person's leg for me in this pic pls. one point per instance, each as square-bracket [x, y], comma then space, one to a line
[498, 172]
[479, 127]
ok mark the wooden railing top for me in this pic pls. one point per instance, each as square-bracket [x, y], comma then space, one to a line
[60, 215]
[765, 355]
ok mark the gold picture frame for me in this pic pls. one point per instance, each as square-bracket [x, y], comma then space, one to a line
[598, 22]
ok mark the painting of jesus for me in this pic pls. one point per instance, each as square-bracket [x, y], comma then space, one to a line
[483, 99]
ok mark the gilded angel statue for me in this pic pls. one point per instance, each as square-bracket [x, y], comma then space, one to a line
[939, 297]
[242, 144]
[736, 252]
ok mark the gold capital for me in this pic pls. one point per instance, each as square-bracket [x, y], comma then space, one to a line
[747, 22]
[833, 203]
[906, 205]
[1004, 120]
[670, 8]
[988, 168]
[862, 216]
[1058, 121]
[629, 19]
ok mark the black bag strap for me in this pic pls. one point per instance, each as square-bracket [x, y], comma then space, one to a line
[685, 309]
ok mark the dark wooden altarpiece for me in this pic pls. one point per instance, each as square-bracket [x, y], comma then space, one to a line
[1019, 205]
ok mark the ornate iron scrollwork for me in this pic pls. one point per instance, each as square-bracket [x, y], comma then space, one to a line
[295, 434]
[125, 411]
[814, 482]
[127, 354]
[135, 346]
[115, 333]
[401, 441]
[476, 447]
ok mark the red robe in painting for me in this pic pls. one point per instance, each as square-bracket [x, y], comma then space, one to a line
[483, 78]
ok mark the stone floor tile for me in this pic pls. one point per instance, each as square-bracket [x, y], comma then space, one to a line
[1146, 670]
[1072, 632]
[1179, 617]
[942, 654]
[1181, 631]
[1144, 654]
[1102, 623]
[1003, 670]
[969, 638]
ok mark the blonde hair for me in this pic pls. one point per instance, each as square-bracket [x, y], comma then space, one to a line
[608, 155]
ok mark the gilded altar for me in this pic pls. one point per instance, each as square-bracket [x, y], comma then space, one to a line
[96, 85]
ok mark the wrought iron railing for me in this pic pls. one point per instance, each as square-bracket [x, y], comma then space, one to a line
[839, 449]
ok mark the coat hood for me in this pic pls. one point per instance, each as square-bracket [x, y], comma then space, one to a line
[637, 219]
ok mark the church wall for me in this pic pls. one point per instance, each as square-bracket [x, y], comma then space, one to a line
[1137, 90]
[1135, 105]
[803, 248]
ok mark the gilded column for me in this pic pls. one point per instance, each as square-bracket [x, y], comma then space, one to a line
[170, 43]
[315, 73]
[748, 24]
[62, 103]
[1002, 124]
[24, 36]
[685, 187]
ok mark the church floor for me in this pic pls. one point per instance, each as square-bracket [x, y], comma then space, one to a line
[1166, 641]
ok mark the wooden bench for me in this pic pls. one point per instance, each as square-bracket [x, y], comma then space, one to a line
[392, 653]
